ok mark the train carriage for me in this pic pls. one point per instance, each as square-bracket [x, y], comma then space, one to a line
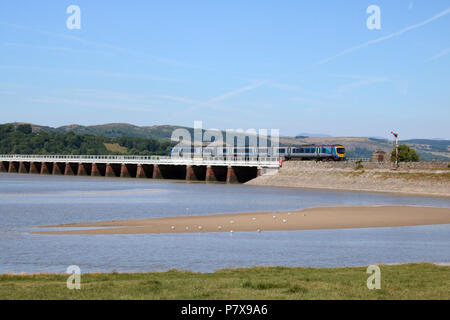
[300, 152]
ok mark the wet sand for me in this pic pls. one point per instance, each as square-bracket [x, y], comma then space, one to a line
[306, 219]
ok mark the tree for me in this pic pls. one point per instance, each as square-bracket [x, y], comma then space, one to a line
[405, 154]
[24, 128]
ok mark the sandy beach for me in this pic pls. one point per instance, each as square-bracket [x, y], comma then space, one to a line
[306, 219]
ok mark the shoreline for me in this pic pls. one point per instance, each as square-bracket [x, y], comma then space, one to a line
[319, 176]
[332, 217]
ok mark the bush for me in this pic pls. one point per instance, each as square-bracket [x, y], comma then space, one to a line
[359, 165]
[405, 154]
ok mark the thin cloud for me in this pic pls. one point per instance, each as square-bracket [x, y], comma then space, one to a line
[235, 92]
[102, 45]
[389, 36]
[440, 54]
[89, 103]
[98, 73]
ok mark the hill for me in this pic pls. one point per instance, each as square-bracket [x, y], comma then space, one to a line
[26, 139]
[357, 147]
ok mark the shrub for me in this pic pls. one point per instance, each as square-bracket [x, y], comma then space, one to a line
[405, 154]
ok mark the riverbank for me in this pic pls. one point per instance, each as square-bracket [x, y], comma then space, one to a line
[405, 281]
[336, 176]
[306, 219]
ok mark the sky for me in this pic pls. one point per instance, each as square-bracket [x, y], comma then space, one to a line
[297, 66]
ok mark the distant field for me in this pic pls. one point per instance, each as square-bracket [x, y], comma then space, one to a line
[407, 281]
[115, 147]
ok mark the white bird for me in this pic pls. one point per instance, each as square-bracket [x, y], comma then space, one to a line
[219, 227]
[231, 231]
[173, 227]
[289, 213]
[200, 227]
[284, 220]
[274, 217]
[253, 218]
[187, 228]
[231, 221]
[259, 230]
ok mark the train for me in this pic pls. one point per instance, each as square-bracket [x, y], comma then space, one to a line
[301, 152]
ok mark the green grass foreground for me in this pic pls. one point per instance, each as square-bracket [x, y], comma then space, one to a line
[407, 281]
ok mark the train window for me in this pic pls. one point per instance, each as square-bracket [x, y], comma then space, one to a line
[282, 150]
[340, 150]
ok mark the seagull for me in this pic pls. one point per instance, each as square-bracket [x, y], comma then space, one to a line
[219, 227]
[231, 231]
[200, 227]
[259, 230]
[253, 218]
[231, 221]
[284, 220]
[274, 217]
[187, 228]
[173, 227]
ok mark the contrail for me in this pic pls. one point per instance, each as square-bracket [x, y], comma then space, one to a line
[389, 36]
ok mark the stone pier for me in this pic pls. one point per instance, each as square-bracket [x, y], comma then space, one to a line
[23, 167]
[210, 175]
[140, 173]
[190, 173]
[95, 172]
[3, 167]
[56, 169]
[156, 172]
[34, 168]
[231, 175]
[44, 168]
[109, 172]
[124, 173]
[12, 167]
[68, 170]
[82, 170]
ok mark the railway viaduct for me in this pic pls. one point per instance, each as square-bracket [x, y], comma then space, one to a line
[237, 170]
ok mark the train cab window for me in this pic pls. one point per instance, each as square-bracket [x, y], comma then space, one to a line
[340, 150]
[282, 150]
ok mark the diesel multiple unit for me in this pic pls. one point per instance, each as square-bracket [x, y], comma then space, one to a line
[301, 152]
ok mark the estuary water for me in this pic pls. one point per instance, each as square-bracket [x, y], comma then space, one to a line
[27, 201]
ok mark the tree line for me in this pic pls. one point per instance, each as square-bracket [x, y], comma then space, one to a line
[21, 139]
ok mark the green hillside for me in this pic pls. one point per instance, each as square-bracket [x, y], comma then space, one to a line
[23, 139]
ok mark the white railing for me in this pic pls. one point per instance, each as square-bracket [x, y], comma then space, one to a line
[130, 159]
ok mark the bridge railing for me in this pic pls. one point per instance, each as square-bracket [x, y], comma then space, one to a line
[239, 160]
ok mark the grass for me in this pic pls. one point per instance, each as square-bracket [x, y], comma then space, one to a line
[115, 147]
[407, 281]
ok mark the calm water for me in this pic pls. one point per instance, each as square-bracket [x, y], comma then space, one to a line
[27, 201]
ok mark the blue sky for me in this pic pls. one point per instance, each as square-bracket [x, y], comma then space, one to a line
[299, 66]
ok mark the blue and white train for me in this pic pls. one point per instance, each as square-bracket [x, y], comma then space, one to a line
[300, 152]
